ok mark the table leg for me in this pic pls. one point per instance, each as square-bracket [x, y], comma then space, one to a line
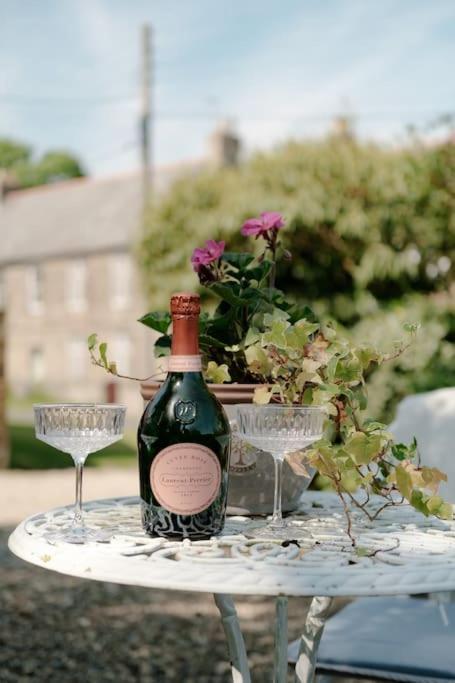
[237, 651]
[281, 640]
[310, 639]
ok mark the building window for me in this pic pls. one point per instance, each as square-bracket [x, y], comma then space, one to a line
[120, 272]
[35, 294]
[76, 285]
[120, 352]
[37, 370]
[77, 359]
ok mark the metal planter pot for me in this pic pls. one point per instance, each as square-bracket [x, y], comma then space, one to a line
[251, 475]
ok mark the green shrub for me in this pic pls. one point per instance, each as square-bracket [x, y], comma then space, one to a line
[372, 232]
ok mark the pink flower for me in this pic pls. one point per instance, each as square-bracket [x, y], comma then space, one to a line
[268, 220]
[206, 255]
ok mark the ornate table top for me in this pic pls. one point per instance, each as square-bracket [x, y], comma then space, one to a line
[401, 552]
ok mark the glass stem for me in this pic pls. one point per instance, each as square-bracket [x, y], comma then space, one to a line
[277, 518]
[78, 521]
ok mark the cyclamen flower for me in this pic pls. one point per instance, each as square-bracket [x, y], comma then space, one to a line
[204, 256]
[268, 220]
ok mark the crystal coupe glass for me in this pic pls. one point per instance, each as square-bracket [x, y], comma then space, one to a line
[280, 430]
[79, 429]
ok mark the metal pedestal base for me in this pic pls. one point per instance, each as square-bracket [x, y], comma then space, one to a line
[309, 643]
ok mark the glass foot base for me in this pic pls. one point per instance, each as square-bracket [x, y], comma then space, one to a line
[288, 531]
[75, 534]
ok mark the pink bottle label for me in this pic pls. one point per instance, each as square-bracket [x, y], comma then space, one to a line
[185, 478]
[185, 364]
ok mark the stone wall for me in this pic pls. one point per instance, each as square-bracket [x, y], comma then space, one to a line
[58, 333]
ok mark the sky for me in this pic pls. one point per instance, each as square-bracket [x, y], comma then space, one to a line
[70, 72]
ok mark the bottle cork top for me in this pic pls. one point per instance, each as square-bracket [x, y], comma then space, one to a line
[185, 304]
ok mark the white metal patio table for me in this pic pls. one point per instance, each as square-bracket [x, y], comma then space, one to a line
[401, 552]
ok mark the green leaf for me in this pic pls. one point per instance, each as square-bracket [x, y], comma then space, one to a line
[208, 342]
[230, 292]
[162, 346]
[418, 502]
[235, 348]
[412, 328]
[431, 505]
[217, 374]
[297, 312]
[432, 477]
[434, 503]
[259, 273]
[307, 398]
[92, 341]
[221, 324]
[298, 335]
[329, 389]
[308, 373]
[358, 394]
[404, 482]
[363, 448]
[204, 320]
[239, 260]
[276, 334]
[262, 396]
[306, 326]
[400, 451]
[367, 355]
[348, 370]
[258, 361]
[332, 368]
[445, 511]
[276, 315]
[371, 425]
[252, 336]
[157, 321]
[360, 551]
[103, 354]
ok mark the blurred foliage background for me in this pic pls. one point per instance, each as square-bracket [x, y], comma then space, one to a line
[372, 233]
[26, 171]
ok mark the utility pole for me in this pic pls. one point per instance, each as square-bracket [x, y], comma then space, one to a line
[146, 112]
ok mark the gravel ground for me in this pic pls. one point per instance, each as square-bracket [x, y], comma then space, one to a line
[27, 492]
[57, 629]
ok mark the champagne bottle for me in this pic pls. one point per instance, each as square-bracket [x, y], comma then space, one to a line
[184, 441]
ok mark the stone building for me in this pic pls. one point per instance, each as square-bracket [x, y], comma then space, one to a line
[67, 269]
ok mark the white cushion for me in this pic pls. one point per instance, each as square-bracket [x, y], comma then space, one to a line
[430, 417]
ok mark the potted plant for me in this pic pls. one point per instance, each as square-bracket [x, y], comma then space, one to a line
[259, 346]
[245, 287]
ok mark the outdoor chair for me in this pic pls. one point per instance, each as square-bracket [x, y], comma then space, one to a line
[408, 640]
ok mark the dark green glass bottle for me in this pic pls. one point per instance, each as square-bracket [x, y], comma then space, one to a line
[184, 442]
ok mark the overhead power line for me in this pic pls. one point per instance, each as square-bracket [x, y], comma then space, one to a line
[114, 100]
[321, 116]
[13, 98]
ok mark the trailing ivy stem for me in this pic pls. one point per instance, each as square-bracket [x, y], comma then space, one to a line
[100, 364]
[346, 512]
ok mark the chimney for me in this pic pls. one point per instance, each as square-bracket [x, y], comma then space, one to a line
[224, 146]
[343, 127]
